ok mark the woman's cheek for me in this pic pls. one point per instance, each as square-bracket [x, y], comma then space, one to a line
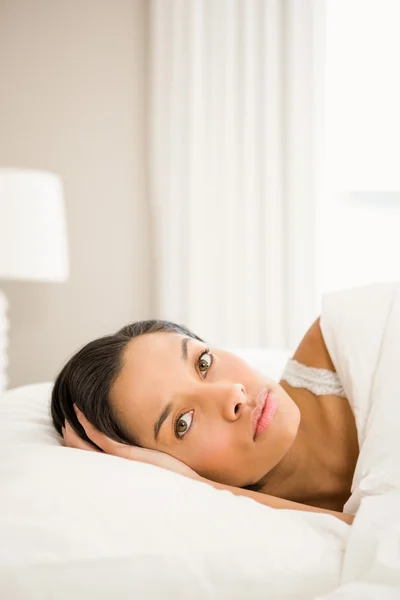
[215, 453]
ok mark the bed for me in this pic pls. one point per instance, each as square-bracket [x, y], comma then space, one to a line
[81, 525]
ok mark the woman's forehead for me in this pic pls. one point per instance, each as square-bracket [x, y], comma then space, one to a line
[162, 343]
[151, 362]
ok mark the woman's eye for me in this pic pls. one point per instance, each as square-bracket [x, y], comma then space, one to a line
[204, 362]
[183, 424]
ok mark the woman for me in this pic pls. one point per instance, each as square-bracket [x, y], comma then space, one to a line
[155, 392]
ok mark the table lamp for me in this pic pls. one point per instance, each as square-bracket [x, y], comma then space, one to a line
[33, 237]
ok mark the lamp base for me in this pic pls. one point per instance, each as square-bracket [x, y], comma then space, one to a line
[3, 341]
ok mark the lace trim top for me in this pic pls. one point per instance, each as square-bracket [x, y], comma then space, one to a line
[320, 382]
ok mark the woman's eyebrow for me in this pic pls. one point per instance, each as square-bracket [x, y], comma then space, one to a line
[184, 346]
[167, 409]
[164, 415]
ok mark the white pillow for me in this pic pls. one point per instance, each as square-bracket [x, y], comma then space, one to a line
[77, 524]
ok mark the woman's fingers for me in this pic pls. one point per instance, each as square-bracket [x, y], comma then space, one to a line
[153, 457]
[72, 439]
[109, 446]
[101, 440]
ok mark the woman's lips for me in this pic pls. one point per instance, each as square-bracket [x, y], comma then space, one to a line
[264, 412]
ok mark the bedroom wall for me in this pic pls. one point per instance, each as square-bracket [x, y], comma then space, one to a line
[72, 100]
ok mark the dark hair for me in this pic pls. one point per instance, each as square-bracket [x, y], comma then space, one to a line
[88, 376]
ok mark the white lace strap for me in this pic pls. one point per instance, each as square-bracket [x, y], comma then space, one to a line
[320, 382]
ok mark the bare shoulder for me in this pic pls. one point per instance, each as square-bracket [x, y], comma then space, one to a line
[312, 350]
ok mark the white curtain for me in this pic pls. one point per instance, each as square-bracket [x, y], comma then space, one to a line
[232, 91]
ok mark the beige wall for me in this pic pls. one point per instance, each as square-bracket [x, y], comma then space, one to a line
[73, 101]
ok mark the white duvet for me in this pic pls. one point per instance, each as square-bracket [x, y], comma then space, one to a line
[361, 328]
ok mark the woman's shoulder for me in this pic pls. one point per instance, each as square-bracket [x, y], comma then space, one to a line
[312, 350]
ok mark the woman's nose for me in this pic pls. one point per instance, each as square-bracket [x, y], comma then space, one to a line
[231, 400]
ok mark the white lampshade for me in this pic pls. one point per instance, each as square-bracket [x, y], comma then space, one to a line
[33, 233]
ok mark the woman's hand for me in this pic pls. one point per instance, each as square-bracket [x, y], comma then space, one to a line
[109, 446]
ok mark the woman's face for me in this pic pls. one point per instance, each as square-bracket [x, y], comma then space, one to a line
[196, 403]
